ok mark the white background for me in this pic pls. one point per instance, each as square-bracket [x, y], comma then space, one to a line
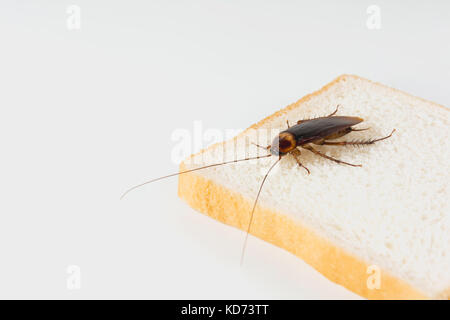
[87, 113]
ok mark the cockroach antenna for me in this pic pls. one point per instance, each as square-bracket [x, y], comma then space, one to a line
[191, 170]
[254, 206]
[215, 165]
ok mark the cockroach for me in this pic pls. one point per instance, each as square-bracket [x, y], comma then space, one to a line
[303, 135]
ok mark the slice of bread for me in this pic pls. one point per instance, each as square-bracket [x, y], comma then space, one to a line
[383, 230]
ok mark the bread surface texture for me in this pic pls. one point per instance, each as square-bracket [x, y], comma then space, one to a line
[388, 219]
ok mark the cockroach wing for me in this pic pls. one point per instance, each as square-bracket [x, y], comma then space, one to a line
[314, 129]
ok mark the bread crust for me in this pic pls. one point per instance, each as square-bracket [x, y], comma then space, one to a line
[233, 209]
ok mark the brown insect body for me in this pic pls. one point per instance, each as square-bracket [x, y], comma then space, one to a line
[312, 131]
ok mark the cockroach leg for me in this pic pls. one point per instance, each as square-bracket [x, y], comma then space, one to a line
[287, 122]
[388, 136]
[360, 142]
[310, 148]
[347, 143]
[334, 112]
[363, 129]
[296, 154]
[330, 115]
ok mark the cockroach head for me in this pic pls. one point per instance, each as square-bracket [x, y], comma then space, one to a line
[283, 143]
